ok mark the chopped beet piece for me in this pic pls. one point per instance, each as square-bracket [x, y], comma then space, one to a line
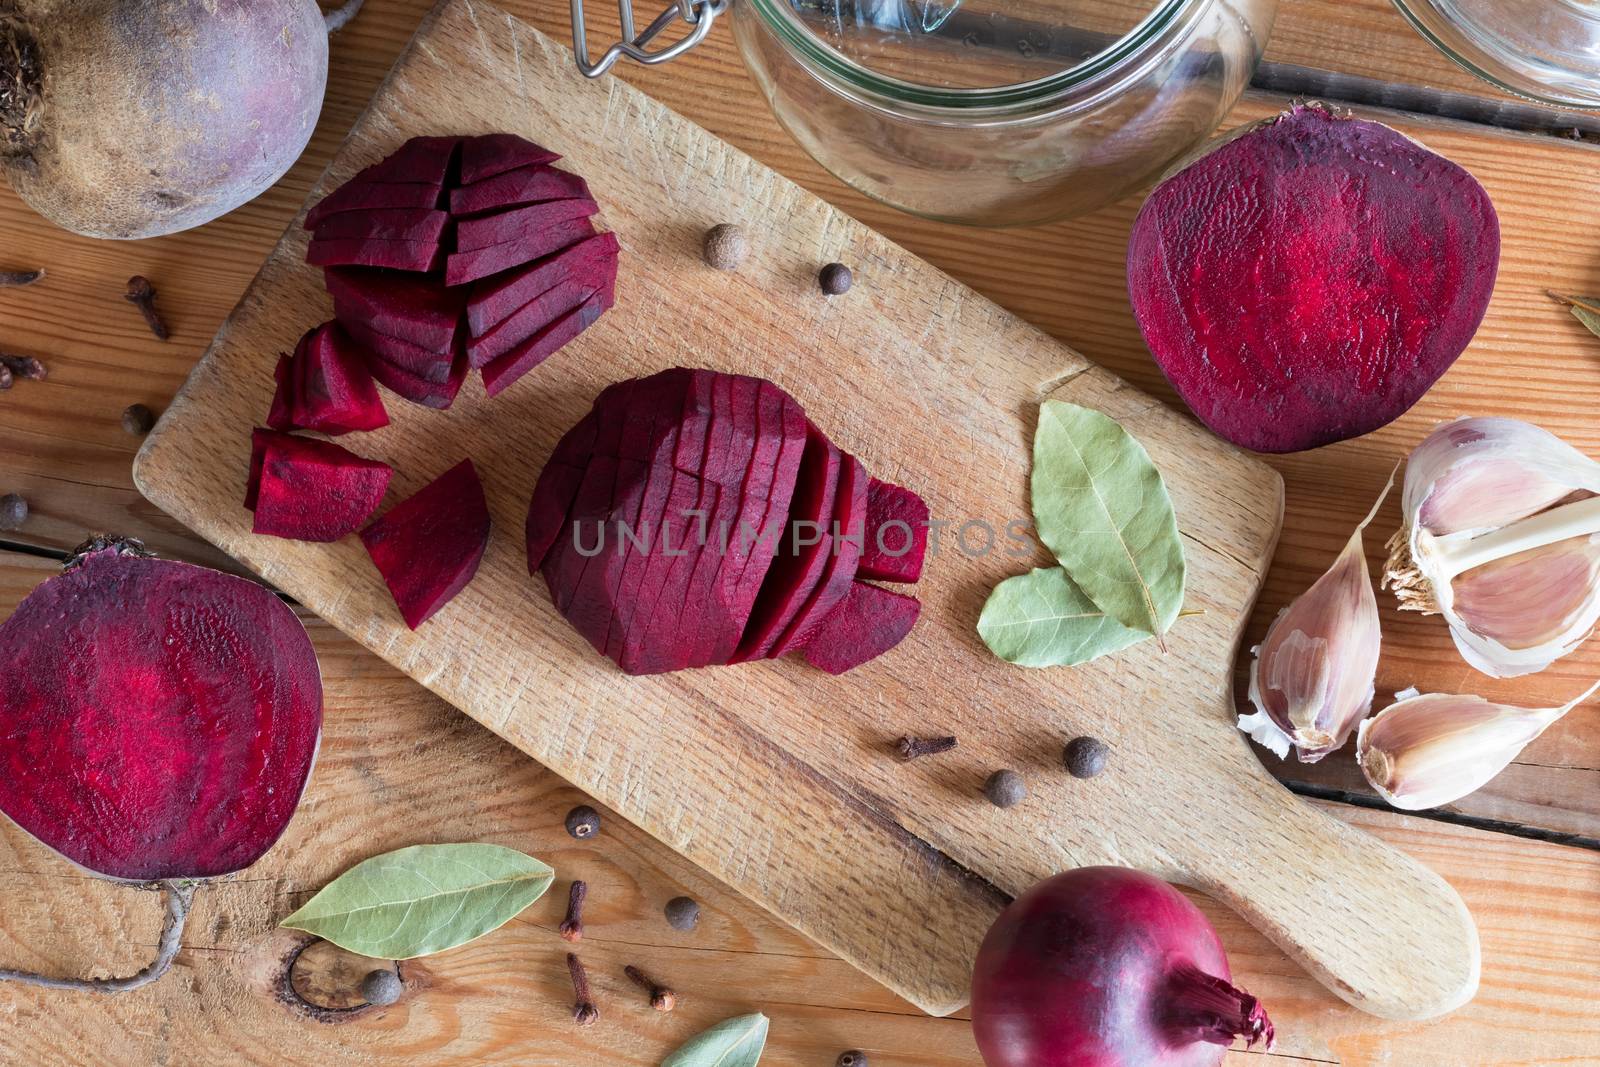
[516, 188]
[427, 547]
[281, 415]
[844, 552]
[867, 623]
[419, 390]
[415, 360]
[336, 393]
[396, 224]
[1308, 281]
[408, 307]
[534, 316]
[557, 487]
[485, 156]
[422, 160]
[498, 375]
[362, 196]
[310, 490]
[353, 252]
[517, 224]
[161, 719]
[492, 302]
[464, 267]
[896, 534]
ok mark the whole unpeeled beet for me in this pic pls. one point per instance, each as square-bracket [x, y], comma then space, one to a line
[158, 720]
[1309, 280]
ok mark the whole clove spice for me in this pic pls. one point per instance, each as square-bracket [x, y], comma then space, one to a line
[683, 914]
[662, 999]
[583, 822]
[381, 987]
[25, 367]
[854, 1058]
[13, 511]
[1005, 789]
[572, 925]
[1086, 757]
[835, 279]
[138, 419]
[725, 246]
[142, 295]
[911, 748]
[584, 1013]
[13, 279]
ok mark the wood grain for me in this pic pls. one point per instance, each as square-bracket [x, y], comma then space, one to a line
[399, 766]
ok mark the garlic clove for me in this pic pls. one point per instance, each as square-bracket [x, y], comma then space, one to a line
[1314, 674]
[1425, 751]
[1528, 604]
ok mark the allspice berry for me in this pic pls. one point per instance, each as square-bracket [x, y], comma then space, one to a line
[138, 419]
[1086, 757]
[382, 987]
[1005, 789]
[583, 821]
[725, 246]
[854, 1058]
[13, 512]
[683, 914]
[835, 279]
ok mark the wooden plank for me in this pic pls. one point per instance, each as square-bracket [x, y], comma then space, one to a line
[398, 766]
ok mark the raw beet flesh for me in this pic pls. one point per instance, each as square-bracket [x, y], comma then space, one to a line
[402, 269]
[326, 386]
[1308, 281]
[310, 490]
[839, 570]
[868, 622]
[157, 720]
[897, 534]
[428, 546]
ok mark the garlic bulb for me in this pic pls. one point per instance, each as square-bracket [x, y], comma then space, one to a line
[1314, 674]
[1425, 751]
[1502, 538]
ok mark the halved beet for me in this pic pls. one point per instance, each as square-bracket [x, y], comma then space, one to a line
[326, 386]
[361, 252]
[485, 156]
[394, 224]
[159, 719]
[516, 188]
[1308, 281]
[411, 308]
[428, 546]
[844, 553]
[542, 345]
[310, 490]
[532, 317]
[515, 225]
[896, 534]
[378, 196]
[466, 267]
[868, 622]
[592, 258]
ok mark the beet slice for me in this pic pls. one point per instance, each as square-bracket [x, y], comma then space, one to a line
[534, 316]
[464, 267]
[517, 188]
[280, 416]
[428, 546]
[1308, 281]
[160, 719]
[396, 224]
[309, 490]
[896, 534]
[839, 570]
[374, 196]
[555, 490]
[497, 376]
[326, 386]
[487, 155]
[868, 622]
[424, 363]
[782, 445]
[516, 224]
[423, 160]
[361, 252]
[411, 308]
[492, 302]
[417, 389]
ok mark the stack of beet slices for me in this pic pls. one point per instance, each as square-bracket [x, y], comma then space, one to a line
[696, 518]
[462, 253]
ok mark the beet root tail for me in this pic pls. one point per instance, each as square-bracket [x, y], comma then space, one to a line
[179, 897]
[340, 16]
[1203, 1007]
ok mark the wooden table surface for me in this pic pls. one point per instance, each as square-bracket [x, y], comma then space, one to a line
[400, 767]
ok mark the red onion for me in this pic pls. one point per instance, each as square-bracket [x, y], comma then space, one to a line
[1107, 967]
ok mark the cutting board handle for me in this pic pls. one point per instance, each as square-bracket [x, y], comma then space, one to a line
[1372, 924]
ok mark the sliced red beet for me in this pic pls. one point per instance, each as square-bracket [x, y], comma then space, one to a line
[492, 302]
[336, 394]
[497, 376]
[485, 156]
[411, 308]
[516, 188]
[365, 196]
[360, 252]
[778, 453]
[534, 316]
[397, 224]
[417, 389]
[1308, 281]
[424, 363]
[161, 719]
[465, 267]
[844, 552]
[310, 490]
[423, 160]
[896, 534]
[556, 488]
[428, 546]
[517, 224]
[868, 622]
[281, 414]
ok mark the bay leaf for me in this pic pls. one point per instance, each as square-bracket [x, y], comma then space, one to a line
[1042, 619]
[423, 899]
[1586, 309]
[1101, 508]
[731, 1043]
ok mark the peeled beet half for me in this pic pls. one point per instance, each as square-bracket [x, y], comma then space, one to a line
[896, 534]
[868, 622]
[1309, 280]
[158, 720]
[428, 546]
[310, 490]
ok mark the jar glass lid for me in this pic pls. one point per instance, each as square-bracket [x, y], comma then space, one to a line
[1548, 51]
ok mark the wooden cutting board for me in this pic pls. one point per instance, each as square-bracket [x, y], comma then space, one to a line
[774, 776]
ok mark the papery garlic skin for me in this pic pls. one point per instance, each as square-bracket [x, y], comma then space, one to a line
[1426, 751]
[1314, 674]
[1489, 544]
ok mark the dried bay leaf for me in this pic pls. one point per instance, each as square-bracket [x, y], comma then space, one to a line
[423, 899]
[731, 1043]
[1586, 309]
[1042, 619]
[1102, 509]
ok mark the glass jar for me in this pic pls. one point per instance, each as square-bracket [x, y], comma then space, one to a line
[1547, 51]
[990, 112]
